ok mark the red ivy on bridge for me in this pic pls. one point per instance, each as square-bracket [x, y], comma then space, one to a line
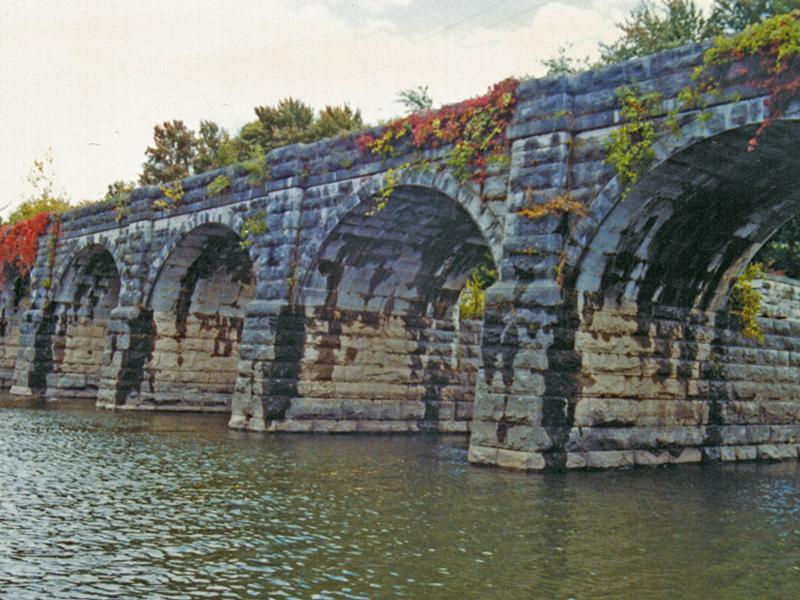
[474, 128]
[19, 243]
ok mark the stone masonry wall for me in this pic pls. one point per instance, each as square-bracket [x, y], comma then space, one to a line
[344, 322]
[387, 373]
[14, 302]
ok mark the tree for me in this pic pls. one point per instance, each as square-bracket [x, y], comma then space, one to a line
[212, 148]
[563, 64]
[177, 151]
[292, 121]
[45, 195]
[287, 123]
[415, 99]
[654, 27]
[335, 120]
[729, 16]
[170, 156]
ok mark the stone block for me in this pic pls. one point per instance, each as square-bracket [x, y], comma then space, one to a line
[593, 412]
[526, 438]
[520, 461]
[482, 455]
[776, 451]
[648, 458]
[609, 459]
[523, 410]
[484, 433]
[576, 460]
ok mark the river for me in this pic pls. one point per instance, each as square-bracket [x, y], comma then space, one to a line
[97, 504]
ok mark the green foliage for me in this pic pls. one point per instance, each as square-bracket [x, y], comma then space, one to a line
[292, 121]
[220, 184]
[773, 46]
[44, 195]
[390, 181]
[652, 27]
[779, 36]
[630, 147]
[333, 121]
[257, 169]
[286, 123]
[173, 196]
[472, 300]
[118, 195]
[252, 228]
[563, 64]
[213, 148]
[782, 252]
[729, 16]
[170, 156]
[460, 159]
[746, 302]
[474, 130]
[415, 99]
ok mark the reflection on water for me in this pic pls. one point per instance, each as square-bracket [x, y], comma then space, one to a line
[120, 505]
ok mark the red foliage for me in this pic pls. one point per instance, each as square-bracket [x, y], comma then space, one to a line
[19, 243]
[478, 124]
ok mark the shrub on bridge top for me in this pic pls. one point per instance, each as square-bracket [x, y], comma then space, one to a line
[475, 129]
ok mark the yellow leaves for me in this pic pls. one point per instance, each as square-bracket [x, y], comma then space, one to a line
[746, 302]
[563, 203]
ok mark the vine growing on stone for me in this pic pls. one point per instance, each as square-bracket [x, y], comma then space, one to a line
[219, 185]
[19, 244]
[746, 302]
[475, 131]
[767, 54]
[766, 57]
[472, 300]
[253, 227]
[629, 148]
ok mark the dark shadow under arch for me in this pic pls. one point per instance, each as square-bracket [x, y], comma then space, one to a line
[196, 313]
[71, 338]
[373, 340]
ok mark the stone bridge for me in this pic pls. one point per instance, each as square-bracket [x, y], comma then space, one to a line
[607, 340]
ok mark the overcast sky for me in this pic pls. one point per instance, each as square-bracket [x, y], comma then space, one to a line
[90, 78]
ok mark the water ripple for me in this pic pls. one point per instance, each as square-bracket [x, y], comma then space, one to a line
[106, 505]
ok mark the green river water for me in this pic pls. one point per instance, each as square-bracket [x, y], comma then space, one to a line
[97, 504]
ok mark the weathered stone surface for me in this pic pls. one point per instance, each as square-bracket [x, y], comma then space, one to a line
[607, 341]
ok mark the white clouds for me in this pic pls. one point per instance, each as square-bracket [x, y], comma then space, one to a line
[380, 5]
[104, 73]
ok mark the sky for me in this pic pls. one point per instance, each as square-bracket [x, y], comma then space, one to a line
[87, 80]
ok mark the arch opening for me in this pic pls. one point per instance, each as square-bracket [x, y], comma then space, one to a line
[659, 343]
[197, 307]
[378, 343]
[70, 341]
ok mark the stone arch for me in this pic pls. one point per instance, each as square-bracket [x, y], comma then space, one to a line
[607, 208]
[185, 225]
[443, 182]
[707, 191]
[663, 370]
[373, 340]
[71, 337]
[196, 307]
[77, 248]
